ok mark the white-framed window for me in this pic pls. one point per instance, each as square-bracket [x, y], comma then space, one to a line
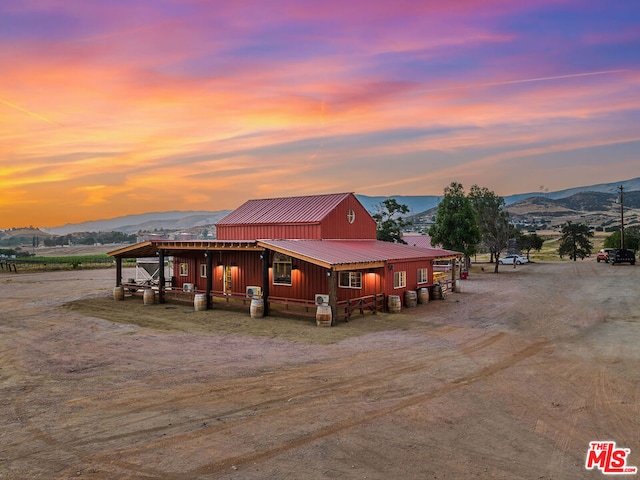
[184, 269]
[203, 270]
[423, 275]
[399, 279]
[281, 269]
[351, 216]
[350, 280]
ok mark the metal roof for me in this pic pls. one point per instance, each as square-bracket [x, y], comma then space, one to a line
[353, 253]
[336, 254]
[416, 240]
[308, 209]
[172, 247]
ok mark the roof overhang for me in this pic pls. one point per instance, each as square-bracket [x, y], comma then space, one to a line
[175, 247]
[320, 262]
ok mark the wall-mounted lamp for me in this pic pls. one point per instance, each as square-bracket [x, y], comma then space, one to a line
[390, 267]
[329, 273]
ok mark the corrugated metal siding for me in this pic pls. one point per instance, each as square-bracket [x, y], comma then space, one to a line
[247, 270]
[310, 280]
[253, 232]
[336, 226]
[193, 272]
[412, 276]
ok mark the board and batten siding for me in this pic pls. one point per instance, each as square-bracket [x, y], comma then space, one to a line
[336, 224]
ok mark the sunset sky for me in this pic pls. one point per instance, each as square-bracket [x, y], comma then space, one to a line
[114, 107]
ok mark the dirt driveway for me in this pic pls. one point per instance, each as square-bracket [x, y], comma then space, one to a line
[512, 378]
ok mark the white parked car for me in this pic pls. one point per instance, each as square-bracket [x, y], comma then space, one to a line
[509, 259]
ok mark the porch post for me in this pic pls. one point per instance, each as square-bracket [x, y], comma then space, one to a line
[118, 271]
[209, 256]
[265, 280]
[333, 295]
[161, 278]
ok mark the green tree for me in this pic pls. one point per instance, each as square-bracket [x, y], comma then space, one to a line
[631, 239]
[533, 241]
[390, 221]
[574, 241]
[493, 220]
[455, 227]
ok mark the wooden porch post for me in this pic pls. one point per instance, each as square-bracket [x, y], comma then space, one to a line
[209, 256]
[333, 295]
[118, 271]
[265, 280]
[161, 278]
[453, 273]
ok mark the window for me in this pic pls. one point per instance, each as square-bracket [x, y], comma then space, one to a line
[281, 269]
[184, 269]
[351, 216]
[399, 279]
[350, 279]
[423, 275]
[203, 270]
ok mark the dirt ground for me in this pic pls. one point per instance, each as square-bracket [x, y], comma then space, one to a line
[511, 378]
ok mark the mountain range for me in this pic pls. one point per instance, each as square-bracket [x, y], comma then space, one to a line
[594, 201]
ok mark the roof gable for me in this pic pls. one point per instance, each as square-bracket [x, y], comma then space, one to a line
[307, 209]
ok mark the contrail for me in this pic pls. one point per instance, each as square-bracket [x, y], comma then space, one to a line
[526, 80]
[556, 77]
[28, 112]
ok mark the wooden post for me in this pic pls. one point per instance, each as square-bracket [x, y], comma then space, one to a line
[118, 271]
[333, 295]
[265, 281]
[209, 256]
[161, 278]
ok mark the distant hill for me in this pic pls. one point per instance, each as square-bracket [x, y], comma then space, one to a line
[572, 201]
[146, 221]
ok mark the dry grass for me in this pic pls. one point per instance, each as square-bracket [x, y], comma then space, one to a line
[172, 317]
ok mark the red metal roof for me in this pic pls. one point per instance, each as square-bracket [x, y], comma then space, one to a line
[422, 241]
[338, 252]
[308, 209]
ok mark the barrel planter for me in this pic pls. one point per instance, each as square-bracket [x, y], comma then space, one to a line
[200, 302]
[323, 316]
[256, 310]
[423, 295]
[394, 304]
[118, 293]
[149, 297]
[436, 292]
[410, 299]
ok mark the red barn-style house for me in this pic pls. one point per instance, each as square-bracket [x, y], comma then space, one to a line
[293, 252]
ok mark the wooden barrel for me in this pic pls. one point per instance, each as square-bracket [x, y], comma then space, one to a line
[323, 316]
[149, 297]
[118, 293]
[410, 299]
[394, 304]
[423, 295]
[200, 302]
[436, 292]
[257, 308]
